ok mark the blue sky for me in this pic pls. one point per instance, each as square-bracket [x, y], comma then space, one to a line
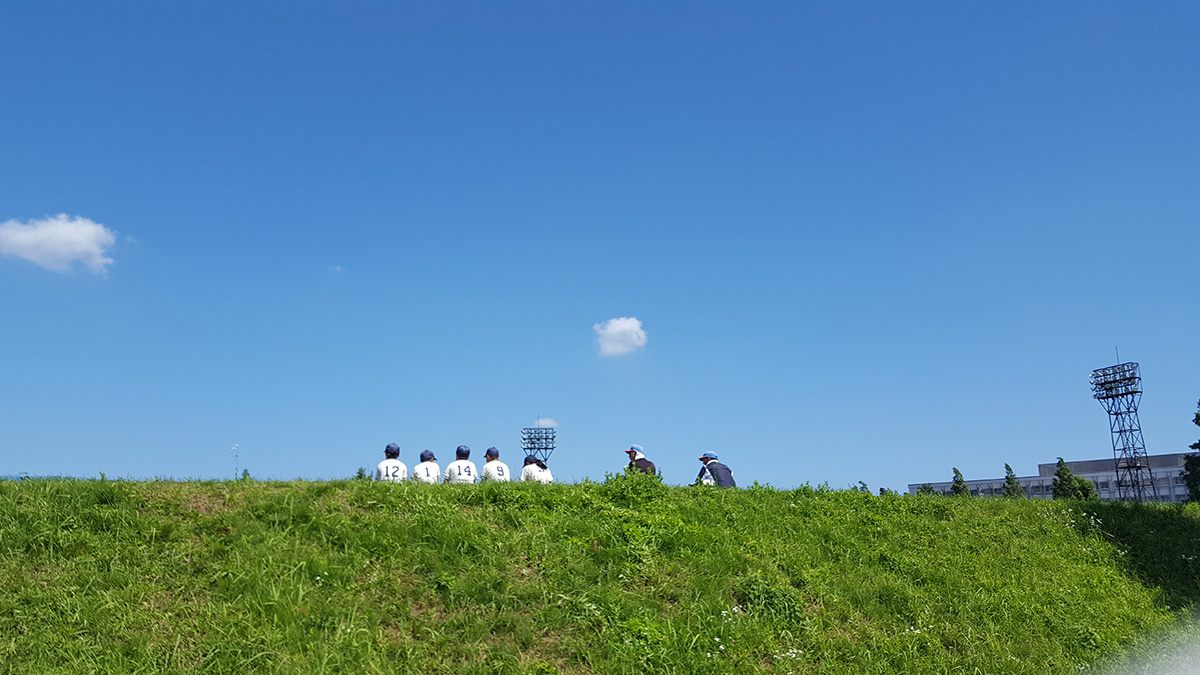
[863, 241]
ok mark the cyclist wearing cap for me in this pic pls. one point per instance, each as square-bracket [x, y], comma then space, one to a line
[462, 469]
[428, 470]
[637, 460]
[391, 469]
[714, 472]
[536, 470]
[495, 469]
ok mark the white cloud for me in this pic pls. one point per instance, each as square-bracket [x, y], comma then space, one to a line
[546, 422]
[58, 242]
[620, 336]
[336, 269]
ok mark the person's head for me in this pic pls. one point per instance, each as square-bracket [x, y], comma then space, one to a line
[462, 452]
[634, 451]
[492, 454]
[708, 457]
[427, 456]
[392, 451]
[531, 459]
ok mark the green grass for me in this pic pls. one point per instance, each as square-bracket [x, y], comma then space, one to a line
[625, 576]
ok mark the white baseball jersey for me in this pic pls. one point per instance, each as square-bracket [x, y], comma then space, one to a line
[461, 471]
[537, 473]
[392, 470]
[427, 472]
[496, 470]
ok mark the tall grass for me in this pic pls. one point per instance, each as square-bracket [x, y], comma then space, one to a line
[624, 576]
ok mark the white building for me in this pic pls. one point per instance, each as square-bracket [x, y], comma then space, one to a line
[1166, 469]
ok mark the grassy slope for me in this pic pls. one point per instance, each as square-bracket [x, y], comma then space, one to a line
[627, 576]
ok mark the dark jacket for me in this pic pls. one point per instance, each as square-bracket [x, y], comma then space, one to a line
[644, 465]
[720, 473]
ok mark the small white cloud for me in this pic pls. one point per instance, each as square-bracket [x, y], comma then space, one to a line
[546, 422]
[58, 242]
[620, 336]
[336, 269]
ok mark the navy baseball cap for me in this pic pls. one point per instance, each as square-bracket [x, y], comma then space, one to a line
[463, 451]
[392, 447]
[492, 452]
[710, 455]
[427, 455]
[530, 459]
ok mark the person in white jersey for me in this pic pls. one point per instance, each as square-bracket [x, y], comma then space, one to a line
[462, 469]
[428, 470]
[391, 469]
[494, 469]
[536, 470]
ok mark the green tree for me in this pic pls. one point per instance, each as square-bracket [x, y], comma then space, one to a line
[959, 488]
[1196, 421]
[1191, 465]
[1064, 481]
[1086, 489]
[1069, 486]
[1191, 476]
[926, 489]
[1012, 486]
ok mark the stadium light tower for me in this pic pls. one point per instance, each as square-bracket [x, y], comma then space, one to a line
[1119, 390]
[538, 441]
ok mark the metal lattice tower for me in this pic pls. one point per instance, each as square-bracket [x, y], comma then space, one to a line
[1119, 390]
[538, 441]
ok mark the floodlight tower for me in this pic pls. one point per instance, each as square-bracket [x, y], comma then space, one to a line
[538, 441]
[1119, 390]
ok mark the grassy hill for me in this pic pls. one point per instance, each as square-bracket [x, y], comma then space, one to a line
[625, 576]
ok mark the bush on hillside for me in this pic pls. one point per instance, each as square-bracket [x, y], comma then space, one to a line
[632, 488]
[772, 598]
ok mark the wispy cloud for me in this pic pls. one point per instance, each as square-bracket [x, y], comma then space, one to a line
[546, 422]
[620, 336]
[336, 269]
[58, 242]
